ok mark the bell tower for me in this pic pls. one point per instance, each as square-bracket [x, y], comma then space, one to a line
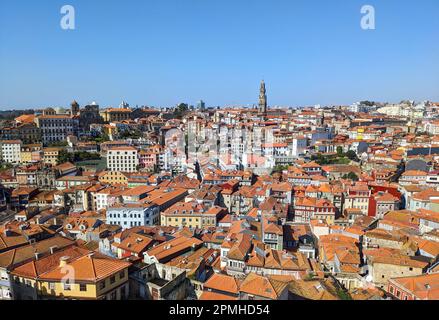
[263, 99]
[74, 108]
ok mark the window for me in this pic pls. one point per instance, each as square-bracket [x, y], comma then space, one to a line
[121, 274]
[122, 293]
[102, 285]
[67, 287]
[113, 279]
[82, 287]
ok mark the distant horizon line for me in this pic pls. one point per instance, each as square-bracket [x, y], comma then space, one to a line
[246, 106]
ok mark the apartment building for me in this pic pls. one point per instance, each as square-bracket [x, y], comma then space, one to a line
[116, 114]
[31, 153]
[192, 215]
[56, 127]
[358, 198]
[50, 155]
[26, 132]
[94, 277]
[299, 145]
[11, 151]
[123, 159]
[421, 287]
[129, 215]
[17, 256]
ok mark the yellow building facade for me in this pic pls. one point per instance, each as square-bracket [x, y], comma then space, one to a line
[74, 273]
[113, 178]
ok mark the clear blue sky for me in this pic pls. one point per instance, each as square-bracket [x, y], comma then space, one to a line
[163, 52]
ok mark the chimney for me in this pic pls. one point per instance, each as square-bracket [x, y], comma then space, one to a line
[53, 249]
[63, 261]
[37, 256]
[7, 232]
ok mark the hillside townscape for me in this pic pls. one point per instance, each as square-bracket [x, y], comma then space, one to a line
[220, 203]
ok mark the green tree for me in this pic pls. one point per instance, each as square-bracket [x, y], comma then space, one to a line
[343, 295]
[340, 151]
[65, 156]
[351, 176]
[130, 135]
[84, 155]
[280, 168]
[352, 155]
[181, 110]
[58, 144]
[103, 137]
[368, 103]
[5, 166]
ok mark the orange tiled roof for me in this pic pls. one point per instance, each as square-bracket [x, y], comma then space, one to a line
[260, 286]
[393, 257]
[240, 249]
[173, 246]
[36, 268]
[413, 173]
[207, 295]
[134, 242]
[91, 267]
[21, 254]
[222, 282]
[26, 118]
[424, 287]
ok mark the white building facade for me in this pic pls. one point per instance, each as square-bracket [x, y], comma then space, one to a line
[11, 151]
[123, 159]
[133, 215]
